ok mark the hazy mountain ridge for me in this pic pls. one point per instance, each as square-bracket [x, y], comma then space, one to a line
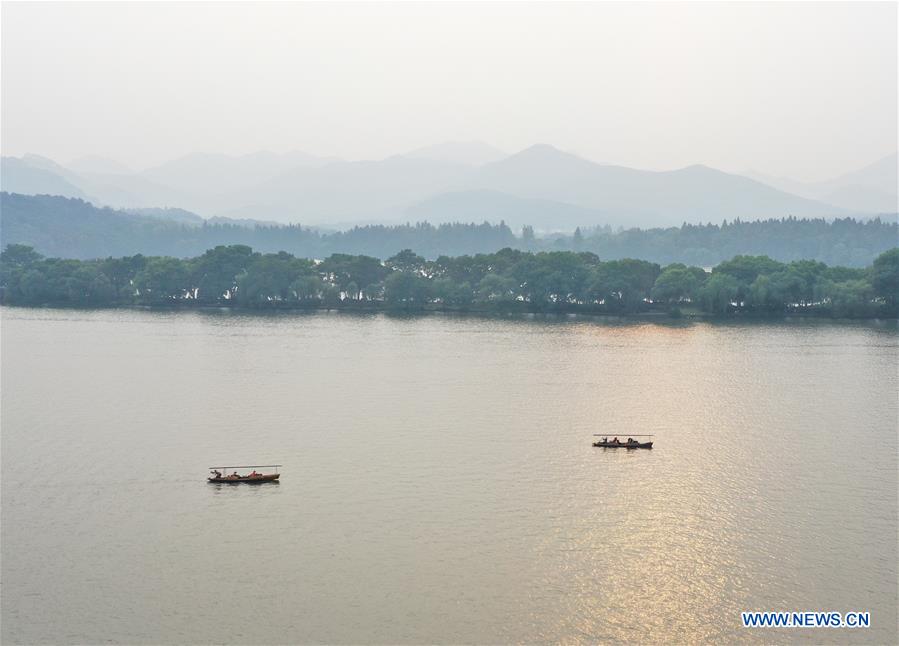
[347, 190]
[873, 188]
[652, 198]
[205, 173]
[98, 164]
[541, 186]
[22, 177]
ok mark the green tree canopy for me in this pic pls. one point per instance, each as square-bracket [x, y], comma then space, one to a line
[508, 279]
[885, 276]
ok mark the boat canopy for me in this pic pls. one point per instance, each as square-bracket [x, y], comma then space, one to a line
[250, 466]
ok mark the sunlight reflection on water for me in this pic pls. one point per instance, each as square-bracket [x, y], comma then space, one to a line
[439, 484]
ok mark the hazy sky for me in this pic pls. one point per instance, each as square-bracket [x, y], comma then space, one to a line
[807, 90]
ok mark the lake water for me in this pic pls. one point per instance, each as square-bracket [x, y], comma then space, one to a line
[439, 484]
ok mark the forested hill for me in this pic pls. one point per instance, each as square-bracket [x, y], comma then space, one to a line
[72, 228]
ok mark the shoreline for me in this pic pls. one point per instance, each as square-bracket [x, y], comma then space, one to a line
[659, 316]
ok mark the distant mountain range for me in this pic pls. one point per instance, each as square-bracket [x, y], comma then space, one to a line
[24, 176]
[462, 181]
[872, 188]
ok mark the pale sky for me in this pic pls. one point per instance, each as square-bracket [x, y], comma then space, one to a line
[807, 90]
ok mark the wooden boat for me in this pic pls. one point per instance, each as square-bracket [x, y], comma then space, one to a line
[630, 443]
[254, 478]
[624, 445]
[262, 477]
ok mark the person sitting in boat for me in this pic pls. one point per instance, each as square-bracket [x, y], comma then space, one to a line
[615, 440]
[217, 473]
[254, 474]
[235, 475]
[631, 440]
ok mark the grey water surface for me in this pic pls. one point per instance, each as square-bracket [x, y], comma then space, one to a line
[439, 483]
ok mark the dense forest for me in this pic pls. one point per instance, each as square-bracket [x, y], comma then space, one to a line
[72, 228]
[508, 280]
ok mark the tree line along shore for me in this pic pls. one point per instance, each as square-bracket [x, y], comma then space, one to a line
[508, 280]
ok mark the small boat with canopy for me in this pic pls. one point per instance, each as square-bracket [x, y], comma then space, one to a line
[222, 475]
[615, 443]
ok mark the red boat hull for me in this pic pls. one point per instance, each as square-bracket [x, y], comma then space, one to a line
[248, 479]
